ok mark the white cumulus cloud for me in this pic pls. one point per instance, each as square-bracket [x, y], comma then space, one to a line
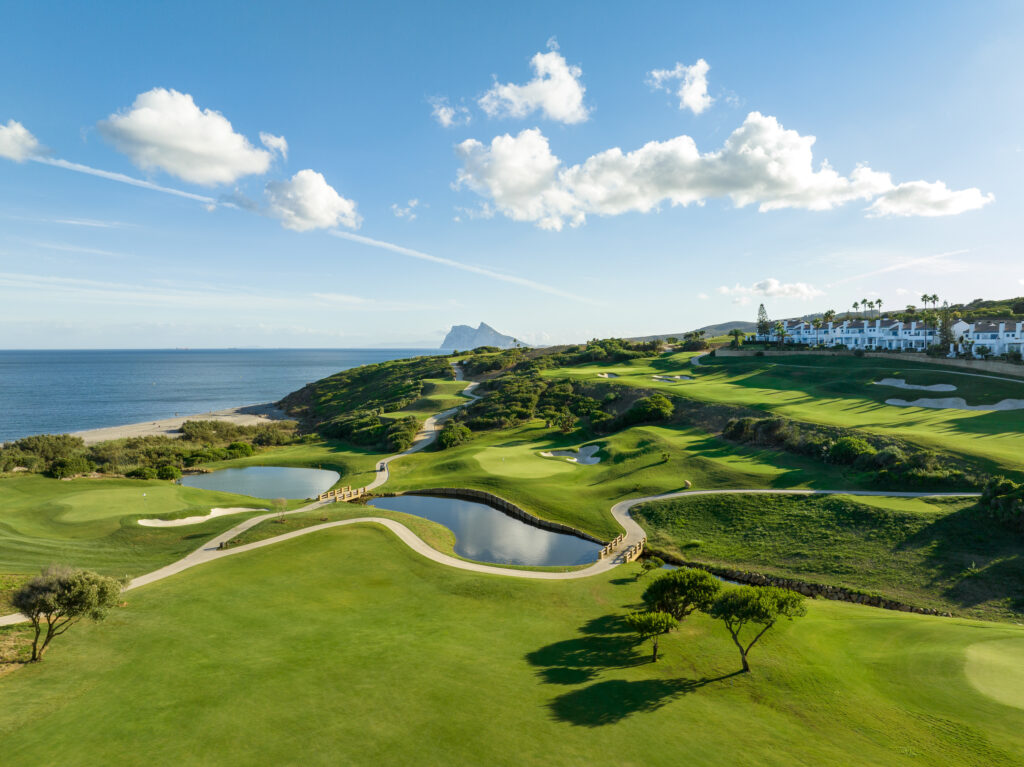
[448, 115]
[166, 130]
[555, 90]
[690, 83]
[306, 201]
[921, 198]
[17, 143]
[773, 288]
[275, 143]
[761, 163]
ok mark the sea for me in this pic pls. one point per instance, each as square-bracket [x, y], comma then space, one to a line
[53, 392]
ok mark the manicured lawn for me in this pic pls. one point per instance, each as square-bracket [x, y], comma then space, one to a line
[926, 552]
[508, 464]
[344, 647]
[839, 391]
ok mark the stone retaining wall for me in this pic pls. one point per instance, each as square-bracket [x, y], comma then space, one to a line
[501, 505]
[978, 366]
[802, 587]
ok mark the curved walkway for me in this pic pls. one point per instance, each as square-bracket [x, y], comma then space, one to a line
[211, 550]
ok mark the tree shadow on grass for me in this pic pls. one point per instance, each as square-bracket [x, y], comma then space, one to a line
[607, 644]
[612, 701]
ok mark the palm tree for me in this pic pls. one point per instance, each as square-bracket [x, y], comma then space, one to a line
[817, 322]
[856, 306]
[864, 304]
[736, 334]
[878, 303]
[780, 331]
[926, 299]
[830, 315]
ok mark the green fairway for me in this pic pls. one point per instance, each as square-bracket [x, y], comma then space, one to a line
[925, 552]
[346, 647]
[92, 523]
[507, 463]
[996, 669]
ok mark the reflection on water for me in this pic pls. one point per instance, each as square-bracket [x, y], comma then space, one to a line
[485, 534]
[266, 481]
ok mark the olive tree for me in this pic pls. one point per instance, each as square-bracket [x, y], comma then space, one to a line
[651, 625]
[682, 591]
[759, 607]
[60, 597]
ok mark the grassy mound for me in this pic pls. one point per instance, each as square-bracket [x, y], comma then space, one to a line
[344, 646]
[929, 552]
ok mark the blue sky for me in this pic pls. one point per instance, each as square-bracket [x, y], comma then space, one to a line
[607, 170]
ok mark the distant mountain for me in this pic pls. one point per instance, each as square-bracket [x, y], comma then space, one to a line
[467, 337]
[710, 330]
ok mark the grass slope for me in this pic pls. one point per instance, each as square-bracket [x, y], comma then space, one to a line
[927, 552]
[345, 647]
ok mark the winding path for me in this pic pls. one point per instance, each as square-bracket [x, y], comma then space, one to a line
[634, 534]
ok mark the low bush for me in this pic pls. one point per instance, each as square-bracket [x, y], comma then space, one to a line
[71, 467]
[167, 471]
[143, 472]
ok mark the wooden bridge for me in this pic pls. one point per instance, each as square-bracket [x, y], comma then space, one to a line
[342, 494]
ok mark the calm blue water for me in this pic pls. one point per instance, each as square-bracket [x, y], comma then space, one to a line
[266, 481]
[485, 534]
[62, 391]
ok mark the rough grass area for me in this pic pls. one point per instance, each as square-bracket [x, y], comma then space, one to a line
[927, 552]
[344, 647]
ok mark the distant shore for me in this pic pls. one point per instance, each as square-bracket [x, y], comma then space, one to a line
[244, 415]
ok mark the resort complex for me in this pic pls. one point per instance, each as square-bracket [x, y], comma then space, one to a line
[980, 338]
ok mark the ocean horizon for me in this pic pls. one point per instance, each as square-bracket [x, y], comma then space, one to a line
[55, 391]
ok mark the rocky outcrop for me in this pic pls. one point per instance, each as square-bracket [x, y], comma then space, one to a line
[467, 337]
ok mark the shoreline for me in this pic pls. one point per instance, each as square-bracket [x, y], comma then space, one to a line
[243, 415]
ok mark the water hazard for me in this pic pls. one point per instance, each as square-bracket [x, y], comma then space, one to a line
[266, 481]
[484, 534]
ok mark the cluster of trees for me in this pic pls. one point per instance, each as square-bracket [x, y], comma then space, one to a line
[694, 341]
[486, 359]
[748, 612]
[63, 455]
[518, 397]
[453, 433]
[1003, 500]
[889, 461]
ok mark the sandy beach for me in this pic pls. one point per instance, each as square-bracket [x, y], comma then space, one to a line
[245, 415]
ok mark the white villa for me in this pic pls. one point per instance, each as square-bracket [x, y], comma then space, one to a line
[887, 334]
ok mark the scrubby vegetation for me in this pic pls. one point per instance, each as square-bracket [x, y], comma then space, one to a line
[63, 455]
[349, 405]
[887, 460]
[1003, 501]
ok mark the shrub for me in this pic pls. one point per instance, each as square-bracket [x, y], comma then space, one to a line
[453, 434]
[858, 352]
[167, 471]
[848, 449]
[240, 449]
[70, 467]
[890, 456]
[142, 472]
[657, 407]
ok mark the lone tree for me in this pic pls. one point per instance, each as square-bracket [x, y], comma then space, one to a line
[59, 597]
[651, 625]
[764, 325]
[682, 591]
[755, 606]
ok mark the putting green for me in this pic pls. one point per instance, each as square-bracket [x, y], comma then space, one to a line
[520, 461]
[996, 669]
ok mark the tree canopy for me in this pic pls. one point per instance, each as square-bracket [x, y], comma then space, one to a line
[59, 597]
[651, 625]
[755, 606]
[682, 591]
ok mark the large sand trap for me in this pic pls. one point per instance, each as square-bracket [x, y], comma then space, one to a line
[957, 403]
[670, 379]
[194, 520]
[587, 455]
[900, 383]
[607, 375]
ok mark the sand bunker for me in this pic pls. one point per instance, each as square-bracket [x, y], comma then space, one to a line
[957, 403]
[607, 375]
[900, 383]
[587, 455]
[672, 378]
[194, 520]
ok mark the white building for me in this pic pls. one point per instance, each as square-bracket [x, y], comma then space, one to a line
[998, 336]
